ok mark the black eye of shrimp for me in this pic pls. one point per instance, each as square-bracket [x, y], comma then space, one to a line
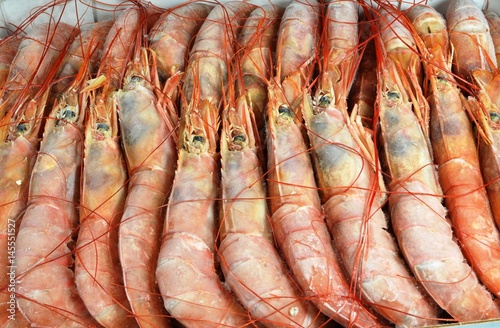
[102, 127]
[392, 95]
[441, 77]
[21, 128]
[68, 114]
[494, 117]
[324, 101]
[135, 79]
[198, 139]
[284, 110]
[239, 138]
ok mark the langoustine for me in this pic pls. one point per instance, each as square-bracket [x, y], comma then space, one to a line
[352, 189]
[418, 217]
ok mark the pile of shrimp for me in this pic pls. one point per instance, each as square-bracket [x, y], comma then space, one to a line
[228, 164]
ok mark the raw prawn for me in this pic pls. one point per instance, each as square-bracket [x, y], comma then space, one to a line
[98, 272]
[418, 217]
[456, 154]
[91, 38]
[256, 45]
[494, 26]
[149, 142]
[191, 289]
[126, 36]
[470, 37]
[484, 107]
[298, 221]
[172, 35]
[189, 284]
[297, 218]
[47, 294]
[212, 52]
[18, 150]
[251, 265]
[351, 186]
[8, 50]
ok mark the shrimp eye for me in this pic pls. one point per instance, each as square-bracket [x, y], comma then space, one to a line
[324, 101]
[21, 128]
[284, 110]
[68, 114]
[135, 79]
[102, 127]
[441, 77]
[393, 95]
[494, 117]
[198, 139]
[239, 138]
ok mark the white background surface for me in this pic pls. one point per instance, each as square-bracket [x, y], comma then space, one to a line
[15, 11]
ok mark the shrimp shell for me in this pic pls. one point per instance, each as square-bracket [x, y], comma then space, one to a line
[150, 152]
[212, 52]
[419, 219]
[257, 276]
[8, 50]
[92, 36]
[172, 36]
[46, 289]
[471, 39]
[494, 25]
[189, 284]
[98, 273]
